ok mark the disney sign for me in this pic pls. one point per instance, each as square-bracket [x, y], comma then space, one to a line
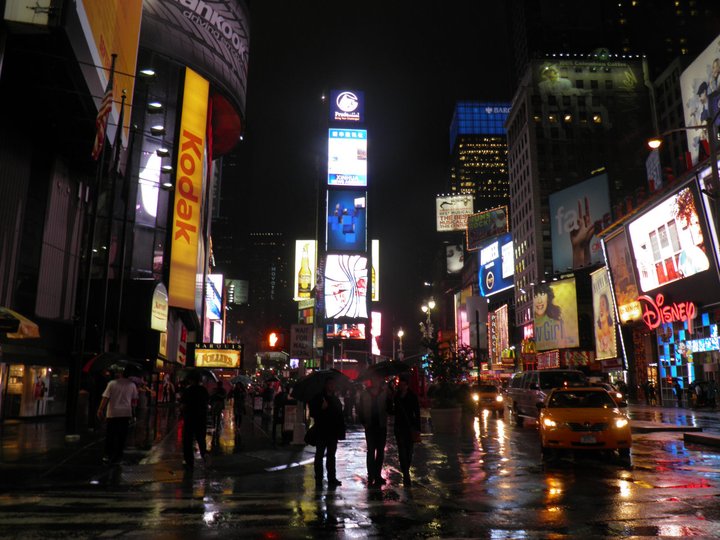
[655, 312]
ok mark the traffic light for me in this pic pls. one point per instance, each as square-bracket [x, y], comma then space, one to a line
[275, 340]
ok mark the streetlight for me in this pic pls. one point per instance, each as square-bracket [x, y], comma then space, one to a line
[400, 335]
[427, 327]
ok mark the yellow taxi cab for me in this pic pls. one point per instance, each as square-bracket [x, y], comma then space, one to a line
[488, 397]
[583, 418]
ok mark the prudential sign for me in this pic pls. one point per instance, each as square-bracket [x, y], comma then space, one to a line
[347, 106]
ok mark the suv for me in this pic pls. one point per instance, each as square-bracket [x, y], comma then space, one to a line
[527, 389]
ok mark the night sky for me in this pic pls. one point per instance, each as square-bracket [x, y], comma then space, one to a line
[413, 60]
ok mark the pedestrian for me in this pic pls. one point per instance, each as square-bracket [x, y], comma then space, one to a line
[217, 405]
[678, 393]
[117, 405]
[268, 394]
[349, 401]
[373, 411]
[279, 411]
[238, 395]
[407, 424]
[327, 412]
[193, 408]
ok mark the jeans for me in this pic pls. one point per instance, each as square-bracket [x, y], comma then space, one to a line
[375, 438]
[117, 430]
[405, 451]
[193, 431]
[331, 447]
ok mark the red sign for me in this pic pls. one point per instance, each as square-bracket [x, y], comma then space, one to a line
[655, 312]
[528, 331]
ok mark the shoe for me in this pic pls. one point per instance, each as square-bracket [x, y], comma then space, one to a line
[334, 483]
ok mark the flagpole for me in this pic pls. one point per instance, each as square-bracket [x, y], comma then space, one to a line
[71, 416]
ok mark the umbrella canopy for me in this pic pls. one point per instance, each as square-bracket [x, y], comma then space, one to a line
[386, 368]
[205, 375]
[242, 379]
[113, 362]
[309, 387]
[16, 325]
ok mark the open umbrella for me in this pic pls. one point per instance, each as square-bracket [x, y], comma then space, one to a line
[309, 387]
[16, 325]
[386, 368]
[113, 362]
[242, 379]
[205, 375]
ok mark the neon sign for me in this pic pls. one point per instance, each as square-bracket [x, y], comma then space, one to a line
[657, 313]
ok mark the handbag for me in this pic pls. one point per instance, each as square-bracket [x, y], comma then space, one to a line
[311, 437]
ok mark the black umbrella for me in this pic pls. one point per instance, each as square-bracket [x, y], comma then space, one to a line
[113, 362]
[386, 368]
[203, 374]
[309, 387]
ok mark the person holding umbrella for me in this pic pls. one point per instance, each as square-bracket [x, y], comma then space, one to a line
[375, 403]
[194, 407]
[407, 424]
[327, 412]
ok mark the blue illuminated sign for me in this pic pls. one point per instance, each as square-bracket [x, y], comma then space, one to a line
[496, 265]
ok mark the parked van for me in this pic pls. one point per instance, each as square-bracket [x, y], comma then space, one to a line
[528, 388]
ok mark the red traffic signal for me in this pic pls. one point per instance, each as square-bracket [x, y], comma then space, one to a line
[275, 340]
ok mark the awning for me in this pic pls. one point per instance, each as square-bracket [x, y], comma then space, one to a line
[16, 325]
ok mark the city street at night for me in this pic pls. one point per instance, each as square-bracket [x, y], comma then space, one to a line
[488, 482]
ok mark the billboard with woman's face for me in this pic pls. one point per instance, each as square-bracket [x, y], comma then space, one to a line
[603, 316]
[620, 263]
[556, 321]
[345, 286]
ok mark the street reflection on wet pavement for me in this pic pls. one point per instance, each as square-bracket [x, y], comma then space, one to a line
[485, 482]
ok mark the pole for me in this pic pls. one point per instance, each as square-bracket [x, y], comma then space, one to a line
[712, 144]
[477, 342]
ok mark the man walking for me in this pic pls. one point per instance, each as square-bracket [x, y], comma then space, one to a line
[373, 410]
[327, 411]
[194, 409]
[407, 424]
[117, 405]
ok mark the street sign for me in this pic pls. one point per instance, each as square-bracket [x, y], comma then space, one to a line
[301, 341]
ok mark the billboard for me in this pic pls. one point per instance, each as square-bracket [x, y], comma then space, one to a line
[603, 316]
[347, 157]
[699, 80]
[345, 284]
[187, 204]
[625, 287]
[576, 215]
[218, 355]
[214, 296]
[496, 265]
[671, 243]
[305, 266]
[238, 291]
[500, 334]
[347, 106]
[346, 220]
[375, 270]
[454, 258]
[345, 331]
[484, 225]
[555, 315]
[452, 212]
[375, 332]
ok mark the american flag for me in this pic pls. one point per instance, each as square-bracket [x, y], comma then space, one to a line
[102, 118]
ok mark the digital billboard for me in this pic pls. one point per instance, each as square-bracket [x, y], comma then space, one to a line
[620, 263]
[671, 243]
[345, 331]
[305, 265]
[496, 265]
[375, 270]
[347, 157]
[603, 315]
[375, 332]
[214, 296]
[501, 334]
[484, 225]
[347, 106]
[345, 285]
[346, 220]
[454, 258]
[555, 315]
[576, 215]
[452, 212]
[699, 80]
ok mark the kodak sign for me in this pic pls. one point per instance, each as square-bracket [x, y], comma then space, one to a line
[188, 193]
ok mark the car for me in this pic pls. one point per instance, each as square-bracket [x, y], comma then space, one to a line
[583, 418]
[488, 397]
[527, 389]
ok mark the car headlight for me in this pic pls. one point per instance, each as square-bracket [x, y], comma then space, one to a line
[476, 397]
[618, 395]
[621, 422]
[499, 398]
[549, 422]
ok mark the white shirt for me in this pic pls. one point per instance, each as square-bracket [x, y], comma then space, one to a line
[121, 394]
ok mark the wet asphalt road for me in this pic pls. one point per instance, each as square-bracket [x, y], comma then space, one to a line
[488, 482]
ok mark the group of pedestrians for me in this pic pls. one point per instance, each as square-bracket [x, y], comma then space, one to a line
[376, 403]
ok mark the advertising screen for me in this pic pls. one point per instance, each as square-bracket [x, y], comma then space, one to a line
[213, 296]
[347, 106]
[496, 265]
[556, 320]
[621, 270]
[501, 334]
[671, 243]
[603, 316]
[346, 220]
[452, 212]
[484, 225]
[375, 332]
[697, 83]
[375, 270]
[347, 157]
[576, 215]
[455, 258]
[305, 265]
[345, 331]
[345, 287]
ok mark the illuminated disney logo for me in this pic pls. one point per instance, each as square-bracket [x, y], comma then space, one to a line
[655, 312]
[347, 101]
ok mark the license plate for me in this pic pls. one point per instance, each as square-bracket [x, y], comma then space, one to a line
[588, 439]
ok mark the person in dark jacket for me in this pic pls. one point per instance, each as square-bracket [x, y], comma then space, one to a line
[194, 408]
[375, 403]
[407, 424]
[327, 412]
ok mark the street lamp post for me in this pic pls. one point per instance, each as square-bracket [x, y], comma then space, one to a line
[427, 327]
[400, 335]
